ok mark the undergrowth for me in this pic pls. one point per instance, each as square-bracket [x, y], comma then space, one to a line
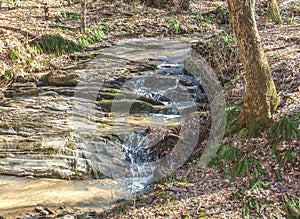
[58, 44]
[220, 51]
[260, 164]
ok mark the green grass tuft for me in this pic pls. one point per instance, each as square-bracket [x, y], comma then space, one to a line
[56, 44]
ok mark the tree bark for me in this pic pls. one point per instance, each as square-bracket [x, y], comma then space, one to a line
[273, 11]
[83, 16]
[261, 98]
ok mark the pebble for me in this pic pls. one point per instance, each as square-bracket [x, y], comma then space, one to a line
[44, 212]
[50, 211]
[68, 216]
[89, 214]
[39, 208]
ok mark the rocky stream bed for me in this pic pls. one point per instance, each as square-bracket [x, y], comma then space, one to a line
[100, 118]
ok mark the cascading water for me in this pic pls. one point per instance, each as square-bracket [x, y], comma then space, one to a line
[128, 119]
[176, 96]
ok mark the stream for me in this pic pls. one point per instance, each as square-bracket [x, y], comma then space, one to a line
[101, 130]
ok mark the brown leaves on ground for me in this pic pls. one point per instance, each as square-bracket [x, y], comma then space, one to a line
[191, 192]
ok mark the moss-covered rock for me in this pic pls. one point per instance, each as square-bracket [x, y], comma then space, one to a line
[110, 94]
[133, 106]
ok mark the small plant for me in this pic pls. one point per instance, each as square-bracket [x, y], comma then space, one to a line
[288, 156]
[244, 166]
[6, 75]
[91, 37]
[243, 133]
[292, 207]
[285, 129]
[229, 153]
[207, 20]
[174, 25]
[130, 32]
[165, 197]
[290, 20]
[249, 206]
[276, 19]
[14, 54]
[251, 203]
[195, 16]
[63, 27]
[71, 15]
[231, 119]
[226, 39]
[168, 179]
[56, 44]
[227, 158]
[220, 51]
[202, 216]
[30, 63]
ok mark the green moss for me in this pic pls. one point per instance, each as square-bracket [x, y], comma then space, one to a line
[202, 216]
[101, 126]
[141, 107]
[163, 213]
[71, 146]
[107, 95]
[105, 105]
[30, 63]
[14, 54]
[243, 133]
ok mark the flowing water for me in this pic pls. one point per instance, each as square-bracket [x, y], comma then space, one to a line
[128, 108]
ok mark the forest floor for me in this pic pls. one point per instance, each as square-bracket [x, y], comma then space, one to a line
[257, 176]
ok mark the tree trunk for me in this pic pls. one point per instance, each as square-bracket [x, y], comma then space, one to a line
[261, 97]
[83, 16]
[273, 11]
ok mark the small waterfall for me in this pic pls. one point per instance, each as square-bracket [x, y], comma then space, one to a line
[146, 143]
[132, 119]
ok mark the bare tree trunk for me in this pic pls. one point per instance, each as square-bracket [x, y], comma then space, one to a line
[83, 16]
[261, 97]
[273, 11]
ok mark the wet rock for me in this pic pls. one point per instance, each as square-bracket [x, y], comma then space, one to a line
[88, 215]
[21, 89]
[68, 216]
[44, 212]
[39, 208]
[49, 210]
[115, 94]
[126, 106]
[49, 130]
